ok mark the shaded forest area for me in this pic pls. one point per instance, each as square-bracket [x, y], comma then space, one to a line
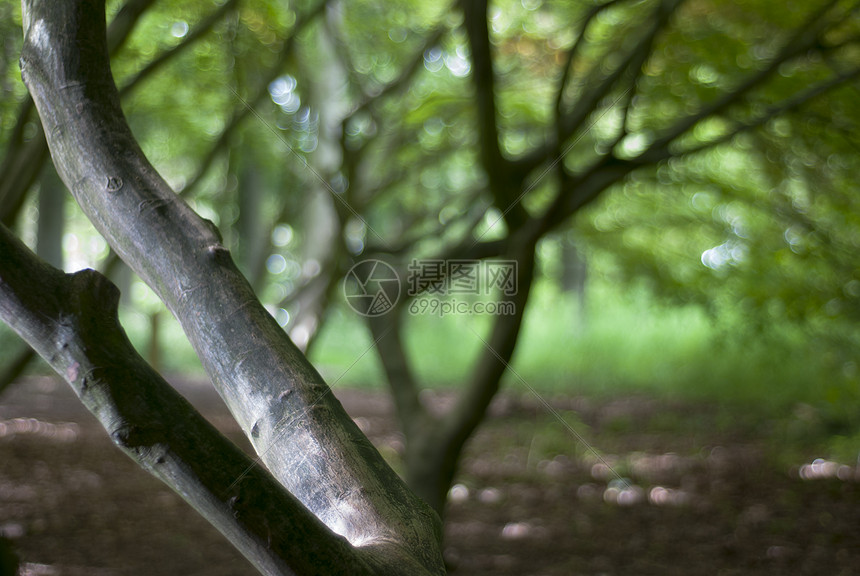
[708, 493]
[584, 272]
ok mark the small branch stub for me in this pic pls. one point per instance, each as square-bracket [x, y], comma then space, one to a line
[114, 183]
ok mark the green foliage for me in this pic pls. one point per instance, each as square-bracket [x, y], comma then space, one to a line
[11, 89]
[733, 258]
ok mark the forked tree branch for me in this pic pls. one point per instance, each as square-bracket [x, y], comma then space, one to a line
[23, 161]
[71, 320]
[293, 421]
[607, 170]
[597, 87]
[575, 49]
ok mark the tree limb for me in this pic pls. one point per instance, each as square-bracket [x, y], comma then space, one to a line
[570, 121]
[788, 105]
[71, 320]
[293, 421]
[634, 60]
[23, 161]
[503, 187]
[803, 39]
[200, 29]
[246, 106]
[574, 50]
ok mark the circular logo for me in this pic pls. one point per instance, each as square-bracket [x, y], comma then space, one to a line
[371, 287]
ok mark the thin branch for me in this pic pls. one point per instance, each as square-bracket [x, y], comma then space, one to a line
[568, 123]
[370, 103]
[609, 170]
[634, 60]
[241, 111]
[788, 105]
[198, 32]
[803, 40]
[124, 23]
[471, 214]
[573, 52]
[406, 75]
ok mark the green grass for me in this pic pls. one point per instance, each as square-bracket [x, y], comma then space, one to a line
[786, 383]
[625, 342]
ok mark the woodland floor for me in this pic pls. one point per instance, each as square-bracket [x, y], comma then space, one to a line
[705, 491]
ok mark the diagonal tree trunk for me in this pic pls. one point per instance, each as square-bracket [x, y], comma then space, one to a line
[71, 321]
[300, 430]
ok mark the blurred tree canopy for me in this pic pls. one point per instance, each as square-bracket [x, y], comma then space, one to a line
[706, 146]
[394, 82]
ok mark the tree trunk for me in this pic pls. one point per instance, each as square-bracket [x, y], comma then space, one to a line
[434, 444]
[71, 320]
[298, 427]
[431, 467]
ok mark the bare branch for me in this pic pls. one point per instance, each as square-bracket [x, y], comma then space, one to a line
[635, 58]
[124, 22]
[573, 52]
[243, 110]
[23, 161]
[568, 123]
[299, 429]
[71, 320]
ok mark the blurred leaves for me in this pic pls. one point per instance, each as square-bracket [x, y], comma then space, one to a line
[741, 190]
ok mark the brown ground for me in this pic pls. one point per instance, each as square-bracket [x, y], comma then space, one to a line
[701, 495]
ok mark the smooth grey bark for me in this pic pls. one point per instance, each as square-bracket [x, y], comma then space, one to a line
[23, 159]
[295, 424]
[71, 320]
